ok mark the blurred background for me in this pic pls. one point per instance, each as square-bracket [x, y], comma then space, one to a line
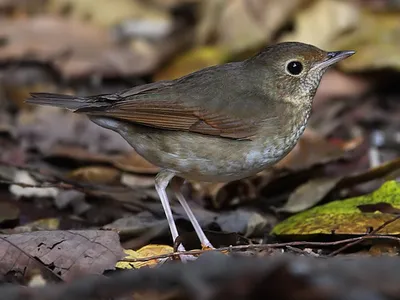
[86, 176]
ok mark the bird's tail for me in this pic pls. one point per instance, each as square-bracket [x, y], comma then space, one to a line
[64, 101]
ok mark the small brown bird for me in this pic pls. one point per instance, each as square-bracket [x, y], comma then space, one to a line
[218, 124]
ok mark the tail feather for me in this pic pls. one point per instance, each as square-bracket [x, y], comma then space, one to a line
[64, 101]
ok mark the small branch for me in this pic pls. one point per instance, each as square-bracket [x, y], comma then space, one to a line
[266, 246]
[372, 233]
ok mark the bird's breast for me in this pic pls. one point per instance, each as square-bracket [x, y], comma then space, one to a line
[271, 147]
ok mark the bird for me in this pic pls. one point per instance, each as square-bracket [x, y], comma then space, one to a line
[218, 124]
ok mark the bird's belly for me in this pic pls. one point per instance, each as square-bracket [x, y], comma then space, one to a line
[200, 157]
[204, 158]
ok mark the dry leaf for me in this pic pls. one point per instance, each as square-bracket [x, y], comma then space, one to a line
[22, 6]
[146, 251]
[128, 162]
[46, 127]
[323, 21]
[107, 13]
[376, 39]
[170, 4]
[75, 48]
[244, 24]
[311, 149]
[309, 194]
[136, 181]
[68, 253]
[338, 85]
[191, 61]
[133, 162]
[96, 175]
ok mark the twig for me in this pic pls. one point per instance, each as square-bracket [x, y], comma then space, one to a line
[302, 251]
[264, 246]
[372, 233]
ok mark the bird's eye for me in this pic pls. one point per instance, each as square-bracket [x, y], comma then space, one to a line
[294, 67]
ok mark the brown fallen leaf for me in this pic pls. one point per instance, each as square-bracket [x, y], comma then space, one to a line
[323, 21]
[21, 5]
[46, 127]
[170, 4]
[309, 194]
[96, 175]
[68, 253]
[240, 25]
[376, 39]
[133, 162]
[128, 162]
[338, 85]
[105, 13]
[76, 153]
[225, 194]
[312, 149]
[193, 60]
[74, 48]
[137, 181]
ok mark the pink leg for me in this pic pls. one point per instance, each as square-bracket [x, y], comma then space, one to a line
[176, 186]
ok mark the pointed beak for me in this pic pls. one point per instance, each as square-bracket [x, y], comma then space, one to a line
[333, 57]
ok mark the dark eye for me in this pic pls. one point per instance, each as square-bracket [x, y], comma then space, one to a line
[294, 67]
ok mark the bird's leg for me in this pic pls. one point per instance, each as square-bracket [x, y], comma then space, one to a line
[176, 184]
[161, 182]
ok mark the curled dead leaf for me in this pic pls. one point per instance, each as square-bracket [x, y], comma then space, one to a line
[146, 251]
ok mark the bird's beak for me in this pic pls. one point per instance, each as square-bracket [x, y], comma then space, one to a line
[333, 57]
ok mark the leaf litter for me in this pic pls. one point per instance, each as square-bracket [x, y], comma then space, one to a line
[81, 176]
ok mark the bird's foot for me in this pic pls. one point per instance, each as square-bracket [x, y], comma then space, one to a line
[206, 245]
[185, 257]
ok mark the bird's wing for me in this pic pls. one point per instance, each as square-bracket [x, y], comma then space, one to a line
[174, 115]
[163, 105]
